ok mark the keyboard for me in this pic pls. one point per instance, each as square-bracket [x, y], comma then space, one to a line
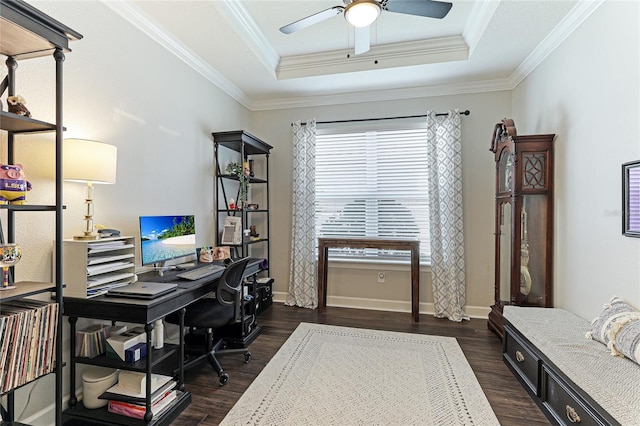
[202, 272]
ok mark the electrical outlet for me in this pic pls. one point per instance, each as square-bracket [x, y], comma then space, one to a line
[381, 277]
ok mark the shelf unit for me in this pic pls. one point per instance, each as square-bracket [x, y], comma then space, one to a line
[255, 150]
[92, 267]
[248, 148]
[164, 359]
[26, 32]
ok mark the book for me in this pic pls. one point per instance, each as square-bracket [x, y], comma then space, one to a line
[16, 338]
[133, 383]
[52, 338]
[135, 353]
[91, 341]
[118, 393]
[117, 344]
[138, 411]
[24, 340]
[6, 345]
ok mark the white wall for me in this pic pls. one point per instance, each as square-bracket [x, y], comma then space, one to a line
[124, 89]
[587, 92]
[356, 285]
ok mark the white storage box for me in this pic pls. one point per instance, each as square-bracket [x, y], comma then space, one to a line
[94, 382]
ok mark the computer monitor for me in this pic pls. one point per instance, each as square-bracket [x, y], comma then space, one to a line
[167, 240]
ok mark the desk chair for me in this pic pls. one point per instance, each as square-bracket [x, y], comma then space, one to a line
[207, 314]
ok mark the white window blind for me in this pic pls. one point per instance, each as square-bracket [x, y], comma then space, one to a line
[373, 184]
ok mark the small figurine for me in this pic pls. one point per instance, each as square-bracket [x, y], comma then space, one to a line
[17, 106]
[206, 255]
[13, 184]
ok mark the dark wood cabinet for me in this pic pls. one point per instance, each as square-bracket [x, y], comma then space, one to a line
[523, 220]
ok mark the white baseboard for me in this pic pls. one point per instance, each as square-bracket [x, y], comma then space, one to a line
[480, 312]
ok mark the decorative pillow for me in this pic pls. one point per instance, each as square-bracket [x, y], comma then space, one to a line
[626, 338]
[614, 311]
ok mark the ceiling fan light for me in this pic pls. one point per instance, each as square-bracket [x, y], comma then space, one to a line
[362, 13]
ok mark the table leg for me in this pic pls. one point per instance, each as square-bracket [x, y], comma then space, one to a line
[322, 277]
[148, 415]
[73, 400]
[415, 284]
[181, 385]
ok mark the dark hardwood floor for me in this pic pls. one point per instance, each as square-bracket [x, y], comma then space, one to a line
[211, 402]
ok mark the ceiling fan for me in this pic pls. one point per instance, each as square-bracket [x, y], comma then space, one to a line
[362, 13]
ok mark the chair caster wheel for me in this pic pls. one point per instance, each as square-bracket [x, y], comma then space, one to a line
[247, 357]
[224, 378]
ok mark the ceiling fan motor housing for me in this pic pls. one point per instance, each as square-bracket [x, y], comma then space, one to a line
[362, 13]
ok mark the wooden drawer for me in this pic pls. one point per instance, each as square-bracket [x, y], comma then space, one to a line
[563, 404]
[522, 359]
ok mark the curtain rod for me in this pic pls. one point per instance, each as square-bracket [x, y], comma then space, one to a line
[465, 112]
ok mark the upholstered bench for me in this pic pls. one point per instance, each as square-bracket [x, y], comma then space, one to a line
[573, 379]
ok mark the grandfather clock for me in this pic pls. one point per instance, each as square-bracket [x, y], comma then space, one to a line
[523, 222]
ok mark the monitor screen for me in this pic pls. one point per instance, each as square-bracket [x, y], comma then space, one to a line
[164, 238]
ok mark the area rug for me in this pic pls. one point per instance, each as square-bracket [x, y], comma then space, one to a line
[328, 375]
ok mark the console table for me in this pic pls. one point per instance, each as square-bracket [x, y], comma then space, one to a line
[380, 243]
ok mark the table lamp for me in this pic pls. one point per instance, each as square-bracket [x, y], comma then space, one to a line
[92, 163]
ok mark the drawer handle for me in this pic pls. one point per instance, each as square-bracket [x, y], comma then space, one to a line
[519, 356]
[572, 415]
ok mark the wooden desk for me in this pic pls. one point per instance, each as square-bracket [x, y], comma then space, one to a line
[389, 244]
[145, 312]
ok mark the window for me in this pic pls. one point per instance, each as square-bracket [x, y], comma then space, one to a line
[373, 184]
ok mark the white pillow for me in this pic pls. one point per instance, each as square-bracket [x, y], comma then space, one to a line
[626, 338]
[614, 311]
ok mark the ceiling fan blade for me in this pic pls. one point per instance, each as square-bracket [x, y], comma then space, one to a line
[362, 37]
[428, 8]
[310, 20]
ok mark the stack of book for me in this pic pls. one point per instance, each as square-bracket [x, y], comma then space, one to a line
[27, 341]
[92, 340]
[128, 396]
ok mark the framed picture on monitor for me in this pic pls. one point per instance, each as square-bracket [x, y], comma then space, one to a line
[631, 199]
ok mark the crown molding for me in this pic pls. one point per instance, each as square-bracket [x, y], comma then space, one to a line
[135, 16]
[383, 95]
[458, 47]
[393, 55]
[247, 29]
[576, 16]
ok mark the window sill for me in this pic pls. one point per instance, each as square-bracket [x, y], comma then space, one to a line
[389, 264]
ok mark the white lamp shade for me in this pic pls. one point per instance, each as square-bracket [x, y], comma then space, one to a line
[89, 161]
[362, 13]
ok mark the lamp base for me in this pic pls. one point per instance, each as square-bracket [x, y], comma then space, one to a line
[86, 237]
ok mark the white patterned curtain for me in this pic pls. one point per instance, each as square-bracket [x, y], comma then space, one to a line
[303, 287]
[444, 138]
